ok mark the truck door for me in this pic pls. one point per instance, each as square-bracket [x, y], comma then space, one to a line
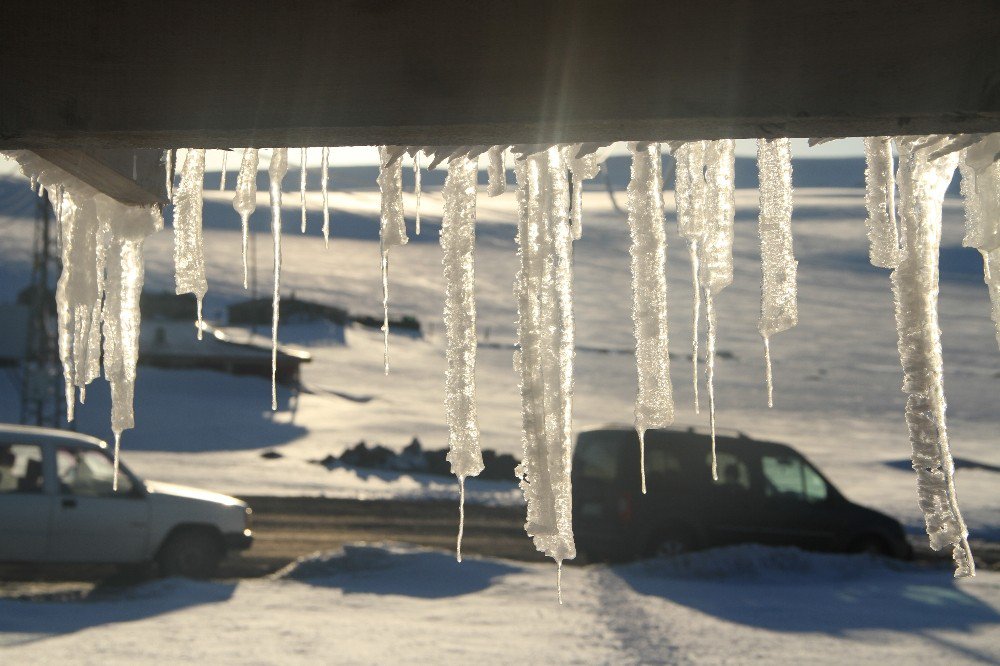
[798, 512]
[92, 522]
[25, 506]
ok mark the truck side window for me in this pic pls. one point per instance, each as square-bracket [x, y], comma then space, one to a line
[88, 473]
[789, 476]
[733, 472]
[20, 468]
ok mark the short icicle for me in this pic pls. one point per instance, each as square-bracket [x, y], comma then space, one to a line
[922, 185]
[458, 238]
[324, 176]
[778, 292]
[303, 174]
[880, 202]
[981, 190]
[461, 518]
[496, 171]
[222, 176]
[582, 168]
[392, 228]
[245, 198]
[416, 192]
[654, 405]
[189, 250]
[276, 172]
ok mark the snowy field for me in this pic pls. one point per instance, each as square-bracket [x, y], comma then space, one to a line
[403, 605]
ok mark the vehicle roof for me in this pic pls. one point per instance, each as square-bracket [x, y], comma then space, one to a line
[37, 434]
[724, 436]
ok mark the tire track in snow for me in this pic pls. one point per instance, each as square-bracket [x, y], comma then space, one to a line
[642, 636]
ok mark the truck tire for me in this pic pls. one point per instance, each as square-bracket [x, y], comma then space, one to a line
[190, 553]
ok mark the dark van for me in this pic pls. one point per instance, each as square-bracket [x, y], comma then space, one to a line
[767, 493]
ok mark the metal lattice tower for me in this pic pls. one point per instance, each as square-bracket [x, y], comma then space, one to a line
[42, 398]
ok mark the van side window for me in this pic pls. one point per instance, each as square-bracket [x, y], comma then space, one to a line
[596, 459]
[20, 468]
[661, 461]
[733, 472]
[789, 476]
[88, 473]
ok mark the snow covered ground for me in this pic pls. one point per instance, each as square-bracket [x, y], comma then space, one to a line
[403, 605]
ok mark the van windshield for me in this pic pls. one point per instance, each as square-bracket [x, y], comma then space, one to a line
[596, 458]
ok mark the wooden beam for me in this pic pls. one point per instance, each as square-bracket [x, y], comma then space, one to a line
[135, 73]
[134, 177]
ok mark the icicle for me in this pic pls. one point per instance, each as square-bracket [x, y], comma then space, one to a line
[325, 183]
[168, 158]
[123, 231]
[496, 171]
[778, 294]
[189, 257]
[245, 198]
[582, 168]
[276, 172]
[392, 230]
[716, 247]
[880, 200]
[922, 186]
[416, 191]
[458, 238]
[981, 191]
[654, 405]
[544, 358]
[461, 518]
[690, 189]
[303, 173]
[222, 176]
[559, 582]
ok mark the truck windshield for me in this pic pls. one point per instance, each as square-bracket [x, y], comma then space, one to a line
[791, 477]
[596, 458]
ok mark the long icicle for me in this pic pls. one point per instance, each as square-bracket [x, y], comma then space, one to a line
[189, 251]
[303, 173]
[778, 293]
[654, 404]
[690, 192]
[324, 176]
[716, 262]
[245, 199]
[922, 185]
[458, 237]
[276, 172]
[392, 229]
[544, 357]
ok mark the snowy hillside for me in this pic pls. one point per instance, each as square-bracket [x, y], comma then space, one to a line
[837, 375]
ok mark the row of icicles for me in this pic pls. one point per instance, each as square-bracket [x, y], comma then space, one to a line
[101, 245]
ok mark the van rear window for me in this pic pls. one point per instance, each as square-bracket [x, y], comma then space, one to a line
[596, 459]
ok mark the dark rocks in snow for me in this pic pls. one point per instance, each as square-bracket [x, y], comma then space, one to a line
[415, 459]
[271, 454]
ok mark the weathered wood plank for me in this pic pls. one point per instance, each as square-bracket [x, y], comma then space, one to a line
[135, 177]
[342, 72]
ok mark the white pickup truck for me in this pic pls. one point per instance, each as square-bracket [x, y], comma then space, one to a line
[57, 505]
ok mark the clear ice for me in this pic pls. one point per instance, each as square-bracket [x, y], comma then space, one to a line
[189, 250]
[654, 404]
[276, 172]
[778, 294]
[458, 238]
[392, 229]
[880, 200]
[245, 198]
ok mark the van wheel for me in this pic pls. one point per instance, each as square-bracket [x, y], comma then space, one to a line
[869, 545]
[191, 553]
[670, 545]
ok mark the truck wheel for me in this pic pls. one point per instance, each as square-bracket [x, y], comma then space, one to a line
[870, 545]
[672, 544]
[191, 553]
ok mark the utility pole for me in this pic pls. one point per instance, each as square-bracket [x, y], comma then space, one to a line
[42, 398]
